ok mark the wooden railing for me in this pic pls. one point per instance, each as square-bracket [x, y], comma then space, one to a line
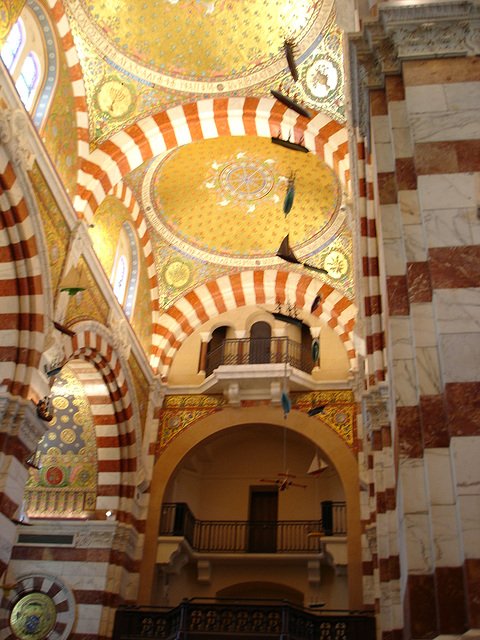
[237, 536]
[260, 351]
[223, 619]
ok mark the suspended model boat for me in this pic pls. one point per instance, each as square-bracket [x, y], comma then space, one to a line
[289, 48]
[291, 104]
[285, 252]
[294, 146]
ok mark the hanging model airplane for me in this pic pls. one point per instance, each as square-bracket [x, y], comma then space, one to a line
[284, 481]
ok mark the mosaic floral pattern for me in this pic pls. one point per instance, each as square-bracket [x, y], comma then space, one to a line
[60, 134]
[89, 304]
[141, 389]
[181, 412]
[56, 231]
[68, 453]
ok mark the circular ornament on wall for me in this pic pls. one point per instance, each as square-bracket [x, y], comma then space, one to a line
[336, 264]
[33, 616]
[176, 274]
[115, 98]
[42, 607]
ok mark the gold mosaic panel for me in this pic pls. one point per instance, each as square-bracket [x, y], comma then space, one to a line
[56, 230]
[141, 388]
[89, 304]
[9, 13]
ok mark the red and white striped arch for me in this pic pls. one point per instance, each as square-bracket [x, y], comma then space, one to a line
[265, 117]
[251, 288]
[117, 444]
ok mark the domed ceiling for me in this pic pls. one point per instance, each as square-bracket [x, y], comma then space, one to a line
[141, 57]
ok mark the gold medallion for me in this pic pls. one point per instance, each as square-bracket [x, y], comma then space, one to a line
[33, 616]
[336, 264]
[115, 98]
[177, 274]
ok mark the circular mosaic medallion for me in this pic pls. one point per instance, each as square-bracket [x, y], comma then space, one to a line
[341, 417]
[336, 264]
[246, 181]
[33, 616]
[60, 402]
[322, 78]
[177, 274]
[54, 476]
[68, 436]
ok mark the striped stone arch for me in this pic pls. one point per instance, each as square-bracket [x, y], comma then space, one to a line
[23, 299]
[125, 195]
[76, 76]
[116, 473]
[250, 288]
[264, 117]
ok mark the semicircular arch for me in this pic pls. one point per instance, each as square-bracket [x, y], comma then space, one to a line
[317, 432]
[251, 288]
[174, 127]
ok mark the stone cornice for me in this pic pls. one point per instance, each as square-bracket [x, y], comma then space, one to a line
[408, 32]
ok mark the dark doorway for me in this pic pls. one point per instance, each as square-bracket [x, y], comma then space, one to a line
[263, 520]
[260, 343]
[214, 349]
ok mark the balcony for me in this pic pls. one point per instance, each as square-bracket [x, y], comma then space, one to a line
[224, 620]
[255, 351]
[237, 537]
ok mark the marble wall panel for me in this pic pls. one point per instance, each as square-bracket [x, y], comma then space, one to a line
[88, 618]
[402, 142]
[456, 308]
[409, 207]
[400, 337]
[446, 126]
[441, 487]
[472, 571]
[447, 191]
[428, 371]
[451, 600]
[460, 355]
[425, 99]
[397, 111]
[384, 156]
[447, 546]
[462, 96]
[466, 457]
[381, 129]
[391, 221]
[422, 607]
[433, 415]
[469, 510]
[424, 326]
[455, 267]
[415, 246]
[448, 227]
[414, 485]
[462, 402]
[405, 381]
[394, 257]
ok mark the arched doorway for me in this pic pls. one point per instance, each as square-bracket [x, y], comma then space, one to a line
[260, 343]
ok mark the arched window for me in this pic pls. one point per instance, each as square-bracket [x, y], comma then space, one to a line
[125, 269]
[13, 45]
[28, 79]
[260, 343]
[30, 55]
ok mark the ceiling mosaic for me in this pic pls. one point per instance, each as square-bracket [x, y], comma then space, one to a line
[139, 58]
[221, 200]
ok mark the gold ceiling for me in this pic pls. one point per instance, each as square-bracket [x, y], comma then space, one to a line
[223, 199]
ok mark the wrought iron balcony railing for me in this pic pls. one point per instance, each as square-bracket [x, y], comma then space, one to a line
[236, 536]
[223, 619]
[260, 351]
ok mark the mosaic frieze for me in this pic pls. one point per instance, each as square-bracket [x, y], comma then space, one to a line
[141, 388]
[181, 412]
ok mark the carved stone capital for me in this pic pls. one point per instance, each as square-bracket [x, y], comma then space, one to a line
[14, 135]
[376, 406]
[120, 337]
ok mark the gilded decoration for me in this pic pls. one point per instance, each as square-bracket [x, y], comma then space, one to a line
[60, 133]
[66, 482]
[163, 53]
[33, 616]
[89, 304]
[181, 412]
[339, 413]
[56, 230]
[9, 12]
[141, 388]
